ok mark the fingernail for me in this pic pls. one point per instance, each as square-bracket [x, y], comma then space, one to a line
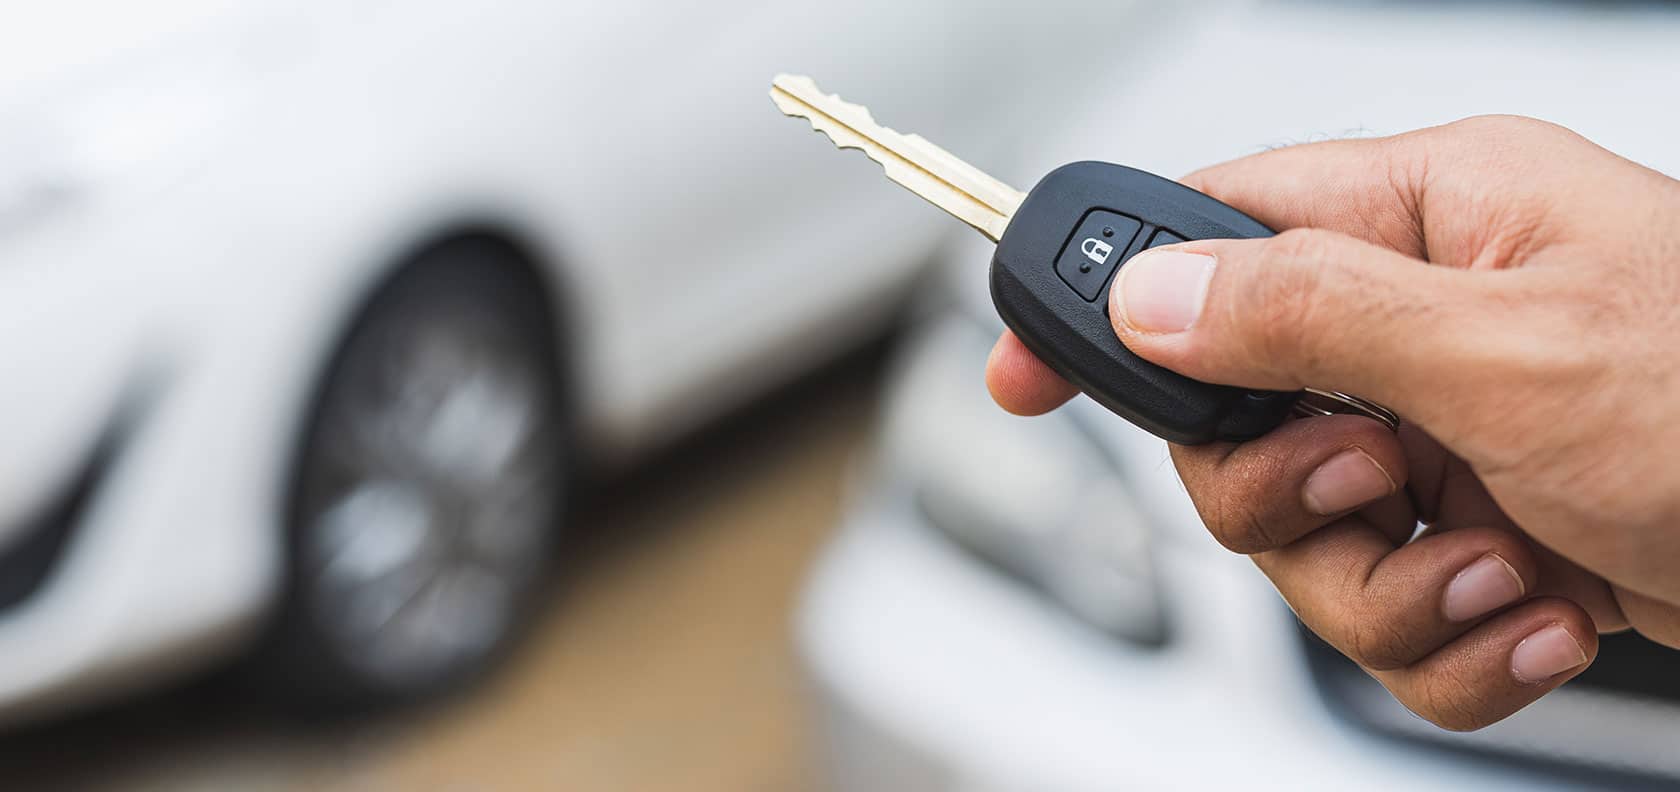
[1485, 585]
[1346, 481]
[1162, 291]
[1545, 654]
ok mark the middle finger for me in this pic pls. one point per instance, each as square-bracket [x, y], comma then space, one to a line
[1268, 492]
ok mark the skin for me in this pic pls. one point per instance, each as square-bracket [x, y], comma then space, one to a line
[1513, 292]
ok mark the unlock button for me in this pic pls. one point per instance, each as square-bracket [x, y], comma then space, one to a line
[1093, 252]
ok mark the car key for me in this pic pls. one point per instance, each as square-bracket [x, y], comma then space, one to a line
[1058, 249]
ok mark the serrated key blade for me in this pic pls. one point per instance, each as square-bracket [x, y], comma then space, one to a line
[963, 190]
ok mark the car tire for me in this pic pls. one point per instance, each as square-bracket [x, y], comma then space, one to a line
[427, 489]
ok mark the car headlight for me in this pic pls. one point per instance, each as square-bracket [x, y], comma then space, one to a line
[1037, 498]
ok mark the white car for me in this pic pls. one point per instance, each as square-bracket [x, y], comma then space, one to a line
[310, 310]
[1033, 604]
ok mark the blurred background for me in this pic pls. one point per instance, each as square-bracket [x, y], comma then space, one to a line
[503, 395]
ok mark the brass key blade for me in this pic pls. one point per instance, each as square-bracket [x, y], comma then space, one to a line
[921, 167]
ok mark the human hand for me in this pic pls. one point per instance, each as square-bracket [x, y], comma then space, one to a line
[1534, 366]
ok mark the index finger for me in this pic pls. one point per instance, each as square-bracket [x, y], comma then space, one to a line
[1363, 188]
[1421, 193]
[1020, 382]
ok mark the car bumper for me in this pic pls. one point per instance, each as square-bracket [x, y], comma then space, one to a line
[116, 570]
[149, 434]
[933, 671]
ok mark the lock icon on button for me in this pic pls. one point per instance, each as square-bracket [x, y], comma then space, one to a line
[1096, 250]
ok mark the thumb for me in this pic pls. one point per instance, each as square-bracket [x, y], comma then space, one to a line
[1310, 308]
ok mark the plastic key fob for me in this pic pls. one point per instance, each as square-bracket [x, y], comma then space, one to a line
[1050, 278]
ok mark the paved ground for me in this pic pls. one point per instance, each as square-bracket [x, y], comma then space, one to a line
[665, 665]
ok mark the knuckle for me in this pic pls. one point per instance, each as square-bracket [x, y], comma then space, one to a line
[1487, 148]
[1451, 702]
[1378, 643]
[1284, 291]
[1253, 533]
[1237, 524]
[1507, 131]
[1488, 123]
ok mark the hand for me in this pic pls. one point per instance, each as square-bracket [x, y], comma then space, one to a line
[1536, 366]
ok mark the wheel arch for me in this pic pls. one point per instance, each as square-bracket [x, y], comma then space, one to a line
[523, 258]
[530, 260]
[532, 257]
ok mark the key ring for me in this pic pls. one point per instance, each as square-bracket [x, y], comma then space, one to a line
[1315, 402]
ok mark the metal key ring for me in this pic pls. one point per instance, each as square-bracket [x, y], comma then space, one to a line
[1327, 402]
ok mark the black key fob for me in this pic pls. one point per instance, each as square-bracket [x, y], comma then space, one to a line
[1050, 279]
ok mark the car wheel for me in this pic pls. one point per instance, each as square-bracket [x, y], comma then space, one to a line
[428, 486]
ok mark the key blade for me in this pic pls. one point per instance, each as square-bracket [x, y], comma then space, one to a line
[929, 171]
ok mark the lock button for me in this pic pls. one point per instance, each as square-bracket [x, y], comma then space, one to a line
[1094, 251]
